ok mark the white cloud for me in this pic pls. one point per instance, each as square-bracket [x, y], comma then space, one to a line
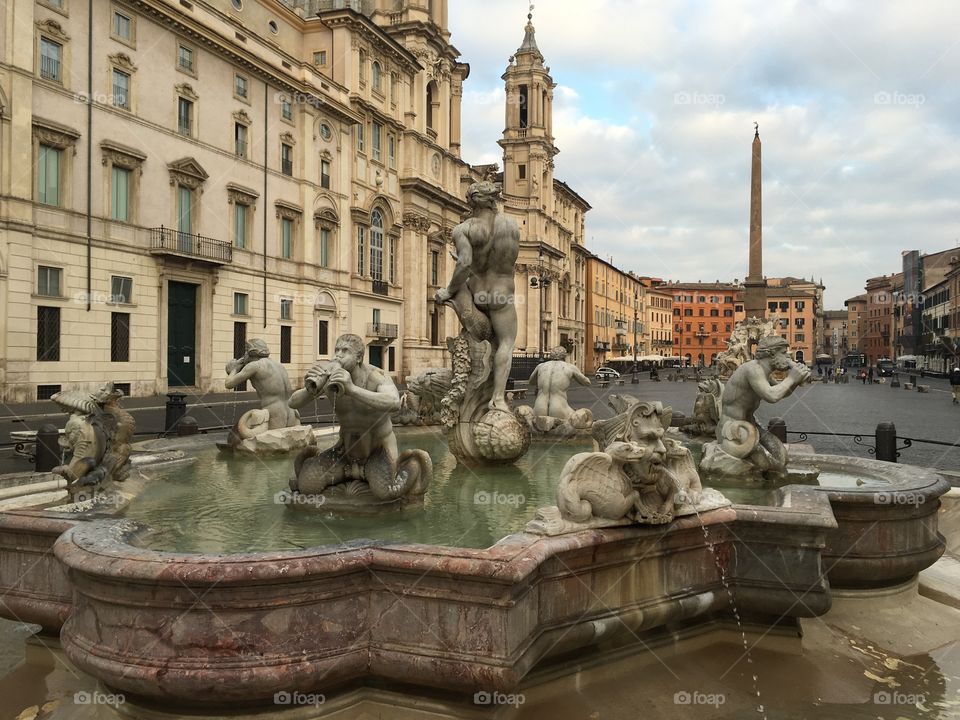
[654, 111]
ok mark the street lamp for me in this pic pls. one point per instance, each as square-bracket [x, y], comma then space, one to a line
[542, 281]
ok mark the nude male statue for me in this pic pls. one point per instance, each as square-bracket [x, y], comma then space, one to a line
[363, 398]
[552, 379]
[481, 288]
[269, 378]
[750, 385]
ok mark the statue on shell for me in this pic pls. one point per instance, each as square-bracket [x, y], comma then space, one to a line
[97, 436]
[641, 476]
[480, 426]
[742, 448]
[551, 413]
[265, 429]
[364, 468]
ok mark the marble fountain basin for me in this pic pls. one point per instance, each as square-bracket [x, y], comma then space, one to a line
[224, 628]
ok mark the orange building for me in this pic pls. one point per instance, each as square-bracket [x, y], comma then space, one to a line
[877, 338]
[703, 318]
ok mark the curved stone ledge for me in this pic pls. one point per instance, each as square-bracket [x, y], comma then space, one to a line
[886, 533]
[210, 629]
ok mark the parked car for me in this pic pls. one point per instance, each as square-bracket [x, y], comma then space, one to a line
[606, 373]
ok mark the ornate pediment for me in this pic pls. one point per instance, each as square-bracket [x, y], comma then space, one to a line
[188, 172]
[326, 219]
[241, 117]
[54, 134]
[122, 60]
[53, 29]
[240, 194]
[121, 155]
[186, 90]
[415, 221]
[288, 210]
[287, 139]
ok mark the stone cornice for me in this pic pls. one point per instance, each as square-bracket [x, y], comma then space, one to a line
[240, 194]
[188, 172]
[288, 210]
[55, 134]
[122, 60]
[53, 28]
[121, 155]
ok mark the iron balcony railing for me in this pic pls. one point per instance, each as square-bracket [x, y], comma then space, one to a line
[380, 287]
[382, 330]
[164, 240]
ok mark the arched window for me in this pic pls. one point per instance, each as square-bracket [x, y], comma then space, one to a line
[376, 76]
[376, 245]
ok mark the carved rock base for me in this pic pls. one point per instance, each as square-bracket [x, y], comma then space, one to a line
[283, 440]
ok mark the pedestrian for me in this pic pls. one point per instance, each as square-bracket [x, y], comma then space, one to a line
[863, 377]
[955, 384]
[870, 375]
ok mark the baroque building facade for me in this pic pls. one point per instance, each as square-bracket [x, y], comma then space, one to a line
[223, 170]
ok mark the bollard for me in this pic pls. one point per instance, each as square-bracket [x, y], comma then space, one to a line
[176, 409]
[913, 380]
[778, 428]
[895, 381]
[47, 455]
[886, 442]
[187, 426]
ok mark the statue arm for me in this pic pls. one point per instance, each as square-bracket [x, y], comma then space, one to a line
[580, 377]
[300, 398]
[771, 393]
[463, 269]
[385, 398]
[244, 374]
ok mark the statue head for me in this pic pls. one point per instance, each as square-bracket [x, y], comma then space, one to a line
[349, 351]
[646, 424]
[559, 353]
[773, 349]
[483, 194]
[257, 348]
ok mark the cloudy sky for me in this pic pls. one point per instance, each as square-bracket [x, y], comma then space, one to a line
[859, 114]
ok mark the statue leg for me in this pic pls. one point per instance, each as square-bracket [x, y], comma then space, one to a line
[504, 322]
[316, 471]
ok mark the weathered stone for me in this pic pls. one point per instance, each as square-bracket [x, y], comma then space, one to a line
[279, 441]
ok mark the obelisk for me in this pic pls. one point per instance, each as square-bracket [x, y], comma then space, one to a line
[755, 286]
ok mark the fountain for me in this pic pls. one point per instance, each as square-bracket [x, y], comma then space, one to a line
[461, 587]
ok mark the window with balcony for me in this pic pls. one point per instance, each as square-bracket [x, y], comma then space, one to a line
[240, 140]
[51, 60]
[185, 59]
[376, 245]
[121, 89]
[185, 117]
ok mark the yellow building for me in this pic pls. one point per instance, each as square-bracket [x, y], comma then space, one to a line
[286, 170]
[613, 313]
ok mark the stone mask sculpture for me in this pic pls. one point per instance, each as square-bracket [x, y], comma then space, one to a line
[364, 468]
[742, 449]
[641, 476]
[480, 426]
